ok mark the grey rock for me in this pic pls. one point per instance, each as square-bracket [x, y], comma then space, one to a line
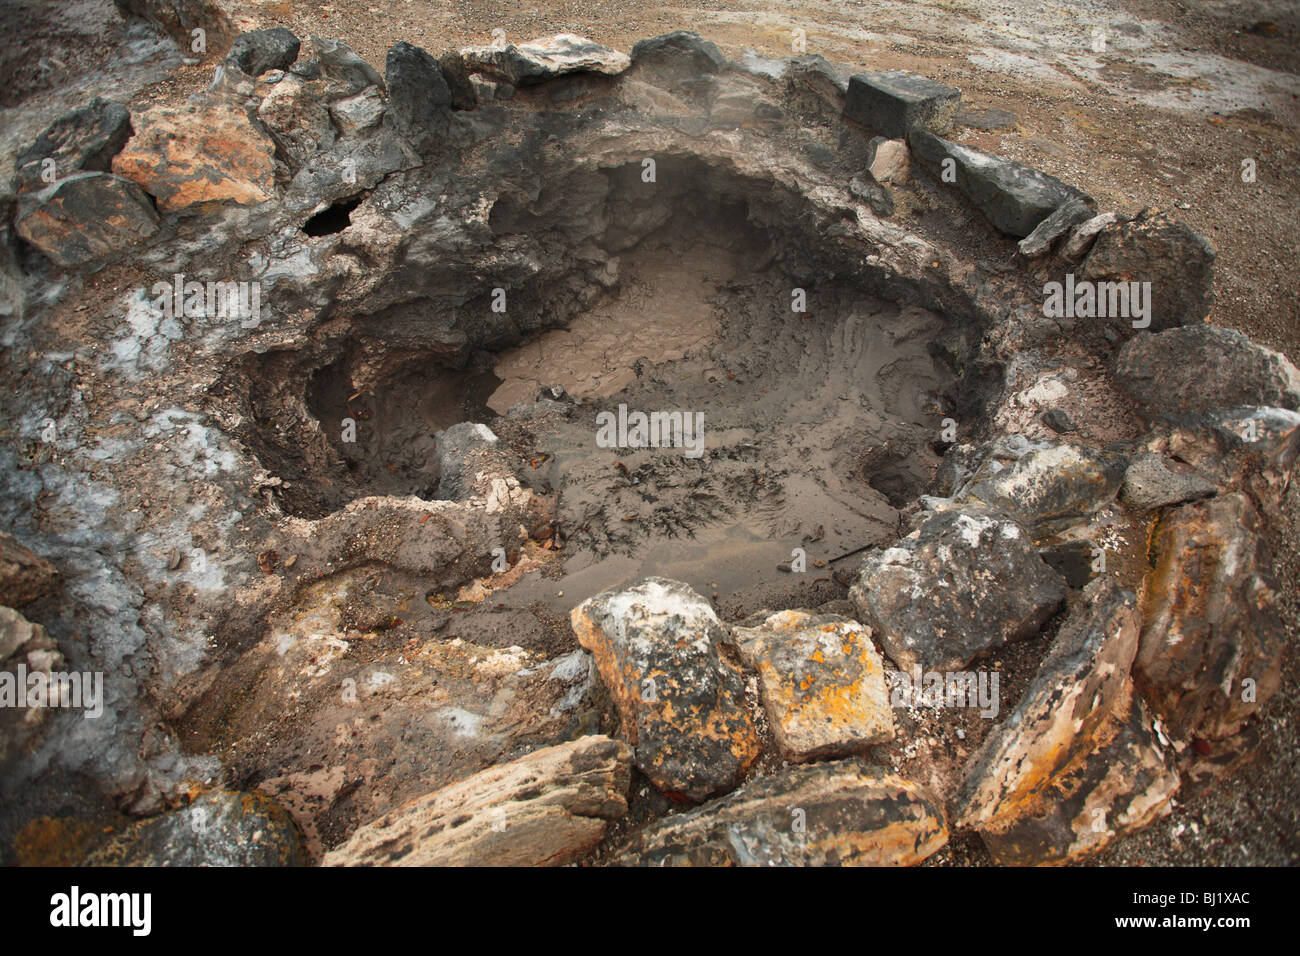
[1084, 234]
[548, 808]
[219, 828]
[1154, 248]
[680, 53]
[1047, 485]
[986, 119]
[681, 702]
[878, 197]
[829, 814]
[457, 78]
[85, 217]
[85, 140]
[340, 62]
[1014, 198]
[1151, 483]
[544, 59]
[419, 98]
[961, 584]
[1047, 232]
[1201, 367]
[178, 18]
[1058, 420]
[261, 50]
[895, 102]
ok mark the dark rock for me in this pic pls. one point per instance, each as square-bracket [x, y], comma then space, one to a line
[961, 584]
[1071, 559]
[457, 78]
[895, 102]
[220, 828]
[1154, 482]
[85, 217]
[1202, 367]
[1047, 232]
[419, 98]
[1153, 248]
[179, 18]
[828, 814]
[1058, 420]
[1047, 485]
[815, 83]
[1114, 790]
[340, 62]
[1014, 198]
[678, 54]
[25, 576]
[469, 457]
[261, 50]
[85, 140]
[878, 197]
[1213, 636]
[681, 703]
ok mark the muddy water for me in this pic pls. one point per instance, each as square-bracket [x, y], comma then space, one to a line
[813, 422]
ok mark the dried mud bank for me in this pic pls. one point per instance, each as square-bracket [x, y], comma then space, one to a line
[342, 492]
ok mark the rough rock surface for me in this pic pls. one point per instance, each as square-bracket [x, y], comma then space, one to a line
[1154, 482]
[890, 160]
[219, 828]
[548, 808]
[261, 50]
[830, 814]
[1014, 198]
[1046, 233]
[196, 153]
[544, 59]
[1046, 485]
[179, 18]
[1201, 367]
[341, 63]
[961, 584]
[85, 140]
[895, 102]
[822, 683]
[680, 52]
[419, 99]
[25, 576]
[1213, 637]
[1152, 247]
[657, 648]
[85, 217]
[1032, 787]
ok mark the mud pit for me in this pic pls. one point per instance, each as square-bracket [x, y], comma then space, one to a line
[342, 553]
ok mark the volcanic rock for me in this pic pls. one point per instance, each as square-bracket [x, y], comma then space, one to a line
[1151, 483]
[543, 59]
[85, 217]
[419, 98]
[180, 18]
[219, 828]
[678, 54]
[261, 50]
[1153, 248]
[1014, 198]
[193, 154]
[822, 683]
[1213, 635]
[1201, 367]
[895, 102]
[826, 814]
[548, 808]
[681, 703]
[1045, 234]
[961, 584]
[85, 140]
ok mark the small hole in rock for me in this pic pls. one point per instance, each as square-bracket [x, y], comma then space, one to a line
[334, 219]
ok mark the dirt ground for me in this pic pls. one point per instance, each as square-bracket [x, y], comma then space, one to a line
[1138, 102]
